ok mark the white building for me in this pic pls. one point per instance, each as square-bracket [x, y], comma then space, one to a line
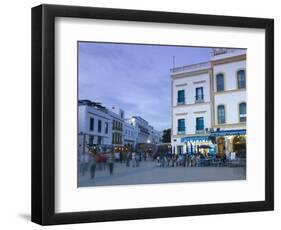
[230, 99]
[208, 99]
[191, 105]
[155, 136]
[142, 128]
[94, 125]
[130, 135]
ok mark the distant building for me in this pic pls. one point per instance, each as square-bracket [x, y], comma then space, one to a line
[94, 125]
[142, 128]
[209, 103]
[107, 128]
[117, 116]
[130, 135]
[155, 136]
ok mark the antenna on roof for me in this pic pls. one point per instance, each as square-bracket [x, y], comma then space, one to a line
[174, 62]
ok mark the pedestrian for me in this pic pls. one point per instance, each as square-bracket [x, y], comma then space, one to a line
[128, 158]
[82, 163]
[138, 159]
[110, 161]
[93, 162]
[133, 159]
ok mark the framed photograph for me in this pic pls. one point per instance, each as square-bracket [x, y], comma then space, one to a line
[142, 114]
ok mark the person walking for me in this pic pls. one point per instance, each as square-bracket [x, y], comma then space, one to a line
[93, 162]
[128, 158]
[110, 161]
[134, 159]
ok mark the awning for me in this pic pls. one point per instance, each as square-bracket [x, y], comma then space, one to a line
[228, 132]
[195, 139]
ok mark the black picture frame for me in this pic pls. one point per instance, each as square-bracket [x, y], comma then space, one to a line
[43, 114]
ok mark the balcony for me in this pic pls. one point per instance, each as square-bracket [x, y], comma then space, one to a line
[199, 98]
[200, 131]
[190, 68]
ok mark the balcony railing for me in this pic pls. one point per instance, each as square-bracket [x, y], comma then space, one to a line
[199, 98]
[193, 67]
[200, 131]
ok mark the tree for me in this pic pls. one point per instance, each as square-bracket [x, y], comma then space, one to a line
[166, 137]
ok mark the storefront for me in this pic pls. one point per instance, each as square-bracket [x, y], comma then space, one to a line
[196, 144]
[230, 141]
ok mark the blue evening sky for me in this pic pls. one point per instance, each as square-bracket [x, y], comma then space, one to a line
[135, 78]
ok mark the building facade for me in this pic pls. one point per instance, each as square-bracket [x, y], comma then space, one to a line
[130, 135]
[209, 103]
[103, 128]
[142, 128]
[94, 125]
[117, 116]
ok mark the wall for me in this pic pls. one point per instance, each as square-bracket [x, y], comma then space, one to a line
[189, 113]
[15, 120]
[192, 82]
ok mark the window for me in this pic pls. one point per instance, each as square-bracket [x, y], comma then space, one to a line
[106, 127]
[181, 125]
[181, 98]
[242, 112]
[220, 82]
[241, 79]
[221, 114]
[99, 126]
[92, 124]
[199, 123]
[199, 94]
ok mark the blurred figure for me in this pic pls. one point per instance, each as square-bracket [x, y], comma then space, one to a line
[110, 161]
[128, 159]
[84, 163]
[93, 163]
[134, 163]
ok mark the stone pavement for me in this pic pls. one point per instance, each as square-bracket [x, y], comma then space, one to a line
[149, 173]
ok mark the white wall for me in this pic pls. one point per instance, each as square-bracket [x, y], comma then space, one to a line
[190, 88]
[15, 68]
[231, 102]
[229, 70]
[190, 117]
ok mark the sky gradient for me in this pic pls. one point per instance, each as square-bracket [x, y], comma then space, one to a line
[135, 78]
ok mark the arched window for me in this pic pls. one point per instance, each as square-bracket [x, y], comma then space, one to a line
[242, 112]
[221, 114]
[241, 79]
[220, 82]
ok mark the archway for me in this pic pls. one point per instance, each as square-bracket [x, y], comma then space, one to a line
[239, 146]
[221, 146]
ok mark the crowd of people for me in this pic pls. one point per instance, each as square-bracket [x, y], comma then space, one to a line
[93, 161]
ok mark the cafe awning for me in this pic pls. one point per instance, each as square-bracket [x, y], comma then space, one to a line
[228, 132]
[195, 139]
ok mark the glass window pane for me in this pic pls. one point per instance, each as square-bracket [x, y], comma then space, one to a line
[181, 98]
[181, 125]
[241, 78]
[242, 112]
[220, 82]
[199, 123]
[221, 114]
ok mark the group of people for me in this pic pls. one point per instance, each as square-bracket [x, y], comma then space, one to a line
[135, 158]
[92, 160]
[103, 161]
[175, 160]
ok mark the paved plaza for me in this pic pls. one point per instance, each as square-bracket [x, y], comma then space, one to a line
[149, 173]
